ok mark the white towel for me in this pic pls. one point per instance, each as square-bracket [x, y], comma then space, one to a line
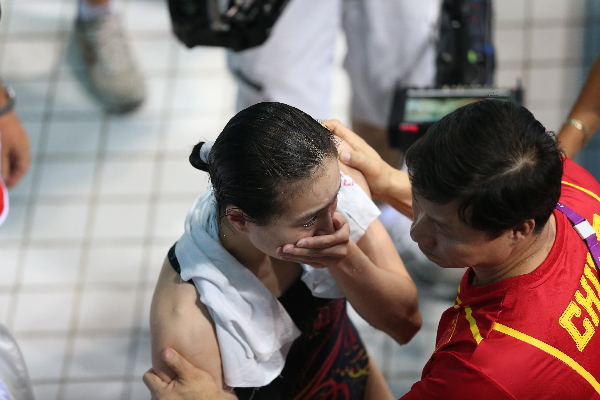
[254, 331]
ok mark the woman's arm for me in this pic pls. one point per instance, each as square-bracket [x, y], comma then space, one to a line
[192, 383]
[370, 273]
[180, 321]
[376, 283]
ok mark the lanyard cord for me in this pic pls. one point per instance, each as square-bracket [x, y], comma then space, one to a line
[585, 231]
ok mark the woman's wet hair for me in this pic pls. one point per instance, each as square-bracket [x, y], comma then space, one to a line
[495, 159]
[262, 152]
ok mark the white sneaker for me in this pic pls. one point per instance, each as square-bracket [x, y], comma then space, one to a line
[110, 67]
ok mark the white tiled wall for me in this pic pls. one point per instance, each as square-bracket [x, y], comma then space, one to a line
[106, 195]
[540, 42]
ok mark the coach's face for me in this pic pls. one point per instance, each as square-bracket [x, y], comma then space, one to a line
[451, 243]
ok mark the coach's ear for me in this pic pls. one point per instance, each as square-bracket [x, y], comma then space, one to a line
[522, 231]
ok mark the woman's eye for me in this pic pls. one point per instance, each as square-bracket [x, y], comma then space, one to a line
[311, 222]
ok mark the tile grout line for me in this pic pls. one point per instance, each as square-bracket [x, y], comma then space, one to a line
[73, 330]
[33, 196]
[148, 241]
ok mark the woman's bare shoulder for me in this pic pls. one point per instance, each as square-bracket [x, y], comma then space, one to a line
[179, 320]
[173, 297]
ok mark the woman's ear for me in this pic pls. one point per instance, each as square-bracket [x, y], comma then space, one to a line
[237, 219]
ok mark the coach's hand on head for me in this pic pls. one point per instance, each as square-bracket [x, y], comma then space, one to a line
[385, 182]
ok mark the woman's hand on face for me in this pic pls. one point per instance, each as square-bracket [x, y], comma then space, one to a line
[320, 251]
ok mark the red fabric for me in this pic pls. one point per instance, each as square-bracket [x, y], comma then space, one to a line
[503, 367]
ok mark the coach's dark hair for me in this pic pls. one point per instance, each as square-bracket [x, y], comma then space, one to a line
[261, 151]
[496, 159]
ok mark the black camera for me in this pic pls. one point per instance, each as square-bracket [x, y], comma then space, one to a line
[235, 24]
[415, 110]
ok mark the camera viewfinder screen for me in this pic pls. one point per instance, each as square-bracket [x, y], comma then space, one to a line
[431, 109]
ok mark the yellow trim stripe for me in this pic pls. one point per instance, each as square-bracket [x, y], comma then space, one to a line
[470, 319]
[473, 325]
[458, 305]
[550, 350]
[594, 195]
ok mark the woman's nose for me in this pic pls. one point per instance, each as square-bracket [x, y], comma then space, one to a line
[325, 226]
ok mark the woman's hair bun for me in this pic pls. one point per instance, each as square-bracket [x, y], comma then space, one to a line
[195, 159]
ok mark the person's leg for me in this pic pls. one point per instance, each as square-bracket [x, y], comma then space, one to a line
[14, 377]
[377, 388]
[390, 42]
[96, 3]
[295, 64]
[110, 67]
